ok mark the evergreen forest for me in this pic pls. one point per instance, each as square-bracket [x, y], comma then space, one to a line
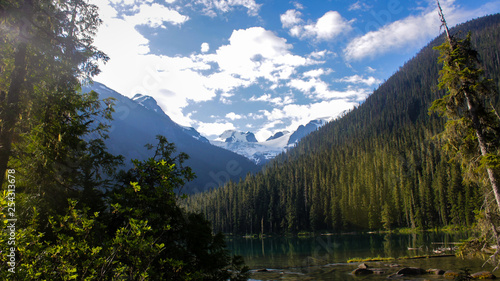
[379, 166]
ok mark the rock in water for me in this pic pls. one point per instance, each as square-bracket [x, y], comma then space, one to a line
[361, 271]
[363, 265]
[483, 275]
[411, 271]
[451, 274]
[435, 271]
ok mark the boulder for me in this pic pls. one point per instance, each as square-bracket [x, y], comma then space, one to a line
[262, 270]
[483, 275]
[411, 271]
[363, 265]
[451, 274]
[435, 271]
[361, 271]
[395, 276]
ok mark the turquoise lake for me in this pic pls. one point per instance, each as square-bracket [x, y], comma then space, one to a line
[325, 257]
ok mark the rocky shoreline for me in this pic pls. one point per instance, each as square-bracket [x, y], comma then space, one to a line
[365, 269]
[397, 269]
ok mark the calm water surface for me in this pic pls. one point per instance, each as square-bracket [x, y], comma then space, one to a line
[325, 257]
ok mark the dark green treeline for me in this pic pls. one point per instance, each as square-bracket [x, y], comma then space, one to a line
[376, 167]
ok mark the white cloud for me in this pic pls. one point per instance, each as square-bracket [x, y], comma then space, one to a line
[317, 89]
[252, 54]
[321, 54]
[413, 31]
[356, 79]
[172, 81]
[155, 15]
[257, 116]
[233, 116]
[296, 115]
[298, 6]
[213, 130]
[205, 47]
[359, 6]
[277, 101]
[396, 35]
[317, 72]
[267, 130]
[291, 18]
[370, 69]
[330, 25]
[212, 7]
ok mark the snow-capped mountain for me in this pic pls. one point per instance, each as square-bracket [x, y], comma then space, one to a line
[137, 122]
[260, 153]
[234, 136]
[195, 134]
[278, 135]
[148, 102]
[303, 131]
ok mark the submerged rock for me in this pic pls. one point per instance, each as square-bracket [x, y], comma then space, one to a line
[436, 271]
[451, 274]
[262, 270]
[361, 271]
[363, 265]
[411, 271]
[395, 276]
[483, 275]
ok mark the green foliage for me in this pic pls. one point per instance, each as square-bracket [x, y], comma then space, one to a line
[142, 234]
[468, 109]
[472, 133]
[46, 51]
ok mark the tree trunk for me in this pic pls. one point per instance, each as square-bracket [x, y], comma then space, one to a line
[10, 113]
[482, 145]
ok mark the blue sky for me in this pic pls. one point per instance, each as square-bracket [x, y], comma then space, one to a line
[264, 65]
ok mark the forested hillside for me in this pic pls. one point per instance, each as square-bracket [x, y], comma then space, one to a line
[376, 167]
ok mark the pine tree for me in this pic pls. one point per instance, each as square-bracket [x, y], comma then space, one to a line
[473, 130]
[45, 46]
[472, 133]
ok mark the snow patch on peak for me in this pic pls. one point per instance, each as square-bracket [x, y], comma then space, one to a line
[278, 135]
[303, 131]
[195, 134]
[231, 136]
[148, 102]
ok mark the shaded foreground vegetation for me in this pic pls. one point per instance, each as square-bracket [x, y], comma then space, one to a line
[67, 214]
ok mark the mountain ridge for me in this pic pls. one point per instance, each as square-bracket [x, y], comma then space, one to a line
[135, 123]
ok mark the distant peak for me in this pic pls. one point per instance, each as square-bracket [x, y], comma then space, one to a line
[148, 102]
[235, 136]
[278, 135]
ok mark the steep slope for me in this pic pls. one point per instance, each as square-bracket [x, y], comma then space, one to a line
[277, 135]
[137, 123]
[303, 131]
[377, 167]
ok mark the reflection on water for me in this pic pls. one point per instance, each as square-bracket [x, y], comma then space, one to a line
[325, 257]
